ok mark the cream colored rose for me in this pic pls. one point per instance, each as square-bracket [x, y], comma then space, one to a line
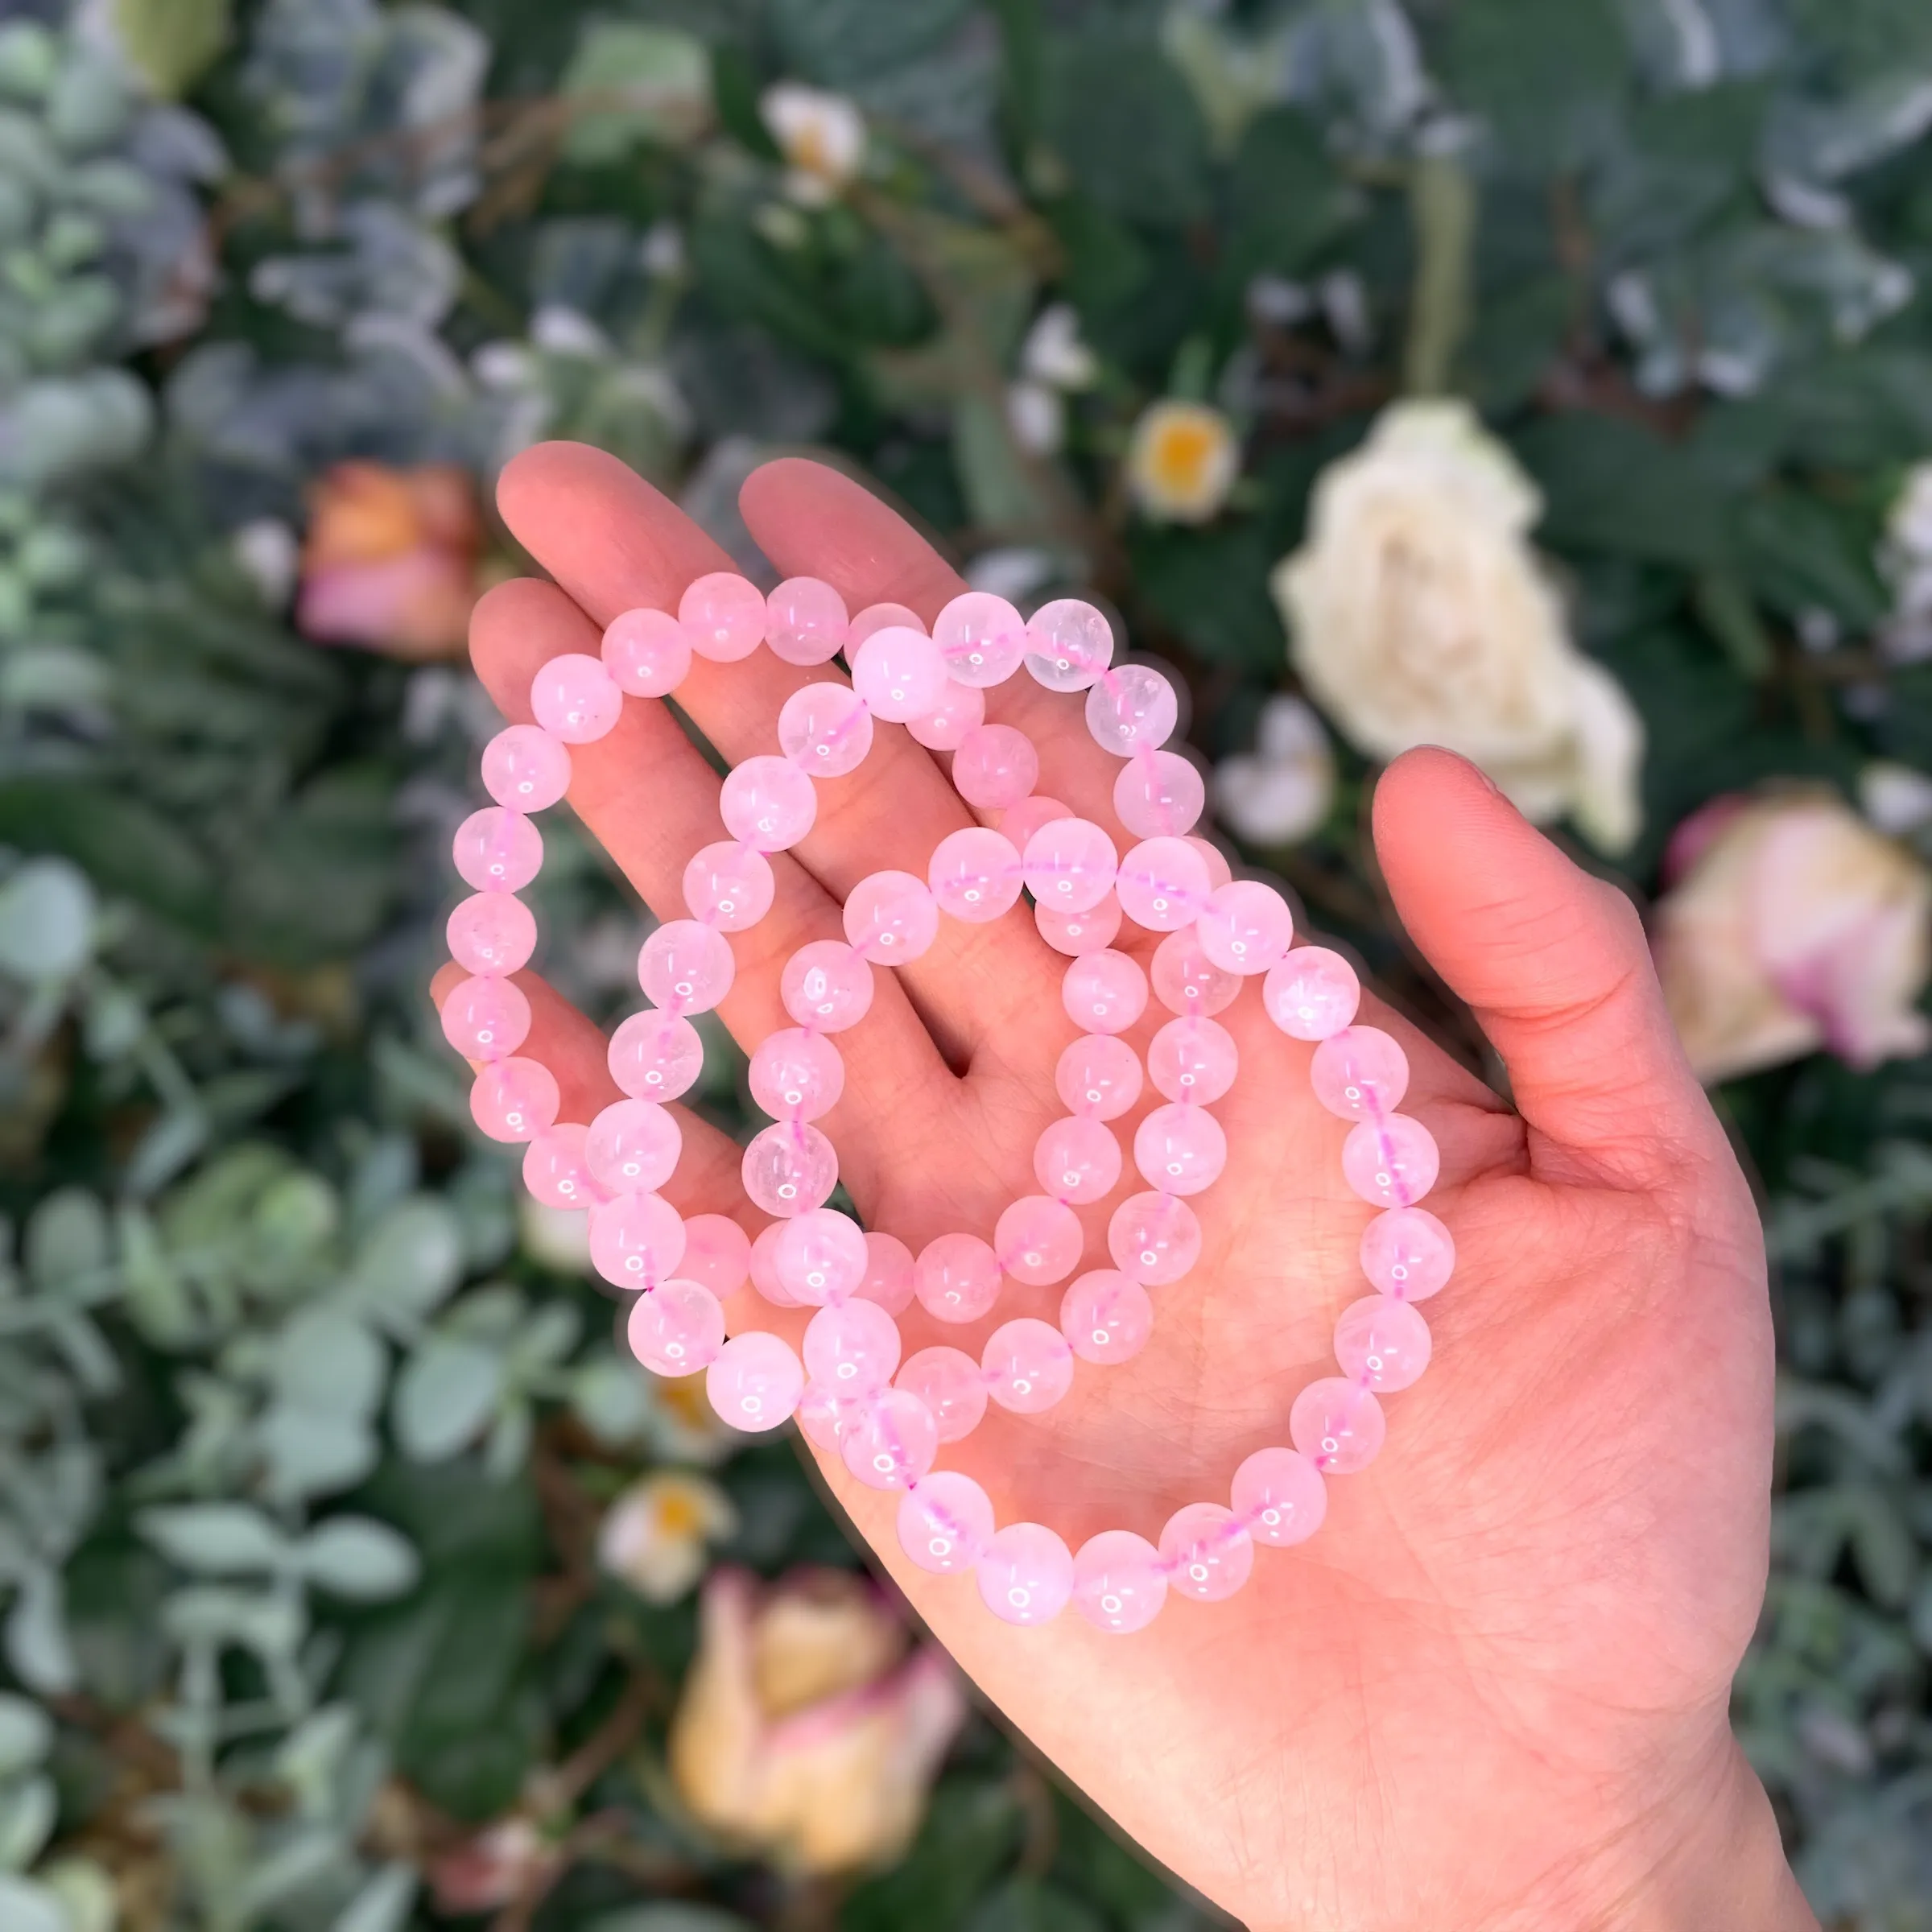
[1419, 614]
[1795, 925]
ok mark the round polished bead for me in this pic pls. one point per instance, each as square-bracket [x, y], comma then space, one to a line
[820, 1256]
[1132, 708]
[796, 1075]
[1068, 644]
[686, 968]
[1104, 992]
[1098, 1076]
[1159, 795]
[655, 1056]
[1077, 1159]
[633, 1147]
[956, 1278]
[888, 1278]
[1359, 1074]
[826, 1417]
[789, 1167]
[486, 1019]
[1381, 1343]
[1076, 934]
[1186, 981]
[575, 699]
[636, 1240]
[525, 769]
[1106, 1317]
[961, 711]
[1027, 1365]
[723, 615]
[1180, 1149]
[1207, 1553]
[1392, 1162]
[728, 885]
[1245, 926]
[1119, 1581]
[892, 1444]
[880, 617]
[1279, 1495]
[1018, 823]
[825, 730]
[825, 983]
[755, 1383]
[1038, 1239]
[899, 673]
[646, 653]
[554, 1170]
[1070, 865]
[492, 932]
[805, 621]
[764, 1268]
[949, 1382]
[945, 1522]
[1338, 1425]
[975, 874]
[717, 1253]
[891, 916]
[1154, 1238]
[768, 803]
[515, 1099]
[852, 1348]
[1408, 1254]
[1026, 1576]
[1312, 994]
[982, 638]
[676, 1329]
[1163, 884]
[497, 851]
[1194, 1060]
[995, 767]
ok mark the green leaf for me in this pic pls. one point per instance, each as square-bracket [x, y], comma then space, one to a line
[662, 75]
[1803, 553]
[1546, 78]
[27, 1810]
[447, 1391]
[1613, 487]
[357, 1557]
[27, 1734]
[842, 44]
[215, 1539]
[173, 43]
[971, 1830]
[1127, 127]
[327, 1360]
[124, 847]
[1285, 200]
[1211, 586]
[382, 1902]
[46, 921]
[1031, 1905]
[408, 1264]
[27, 1907]
[315, 1451]
[68, 1240]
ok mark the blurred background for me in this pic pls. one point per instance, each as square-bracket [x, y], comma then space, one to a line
[1551, 381]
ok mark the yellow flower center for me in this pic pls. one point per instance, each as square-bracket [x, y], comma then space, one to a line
[1181, 454]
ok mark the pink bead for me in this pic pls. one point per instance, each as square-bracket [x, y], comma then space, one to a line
[1381, 1343]
[825, 730]
[554, 1170]
[1338, 1425]
[1220, 871]
[515, 1099]
[995, 767]
[948, 1381]
[975, 874]
[1194, 1060]
[1408, 1254]
[1078, 933]
[1279, 1495]
[826, 984]
[497, 851]
[1132, 708]
[723, 615]
[1070, 865]
[1159, 795]
[686, 968]
[1154, 1238]
[853, 1349]
[646, 653]
[756, 1382]
[1119, 1581]
[1207, 1553]
[1039, 1241]
[828, 1417]
[768, 803]
[636, 1240]
[764, 1268]
[796, 1075]
[982, 638]
[1027, 1574]
[1162, 884]
[1245, 926]
[1098, 1076]
[788, 1168]
[900, 674]
[486, 1019]
[961, 710]
[891, 916]
[892, 1444]
[1076, 1159]
[956, 1278]
[1360, 1073]
[717, 1253]
[676, 1329]
[1392, 1162]
[728, 885]
[655, 1056]
[492, 932]
[633, 1147]
[888, 1279]
[575, 699]
[805, 621]
[945, 1522]
[1180, 1149]
[821, 1258]
[1027, 1365]
[1068, 644]
[1018, 823]
[1104, 992]
[1312, 994]
[1106, 1317]
[881, 616]
[1186, 981]
[525, 769]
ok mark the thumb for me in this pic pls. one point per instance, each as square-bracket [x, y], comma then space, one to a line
[1552, 963]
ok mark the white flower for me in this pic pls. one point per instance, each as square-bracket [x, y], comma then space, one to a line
[1895, 798]
[653, 1535]
[1053, 352]
[822, 135]
[1182, 461]
[561, 331]
[1281, 791]
[268, 553]
[554, 1237]
[1420, 615]
[1037, 417]
[1905, 561]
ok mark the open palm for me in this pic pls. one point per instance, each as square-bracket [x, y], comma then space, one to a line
[1491, 1690]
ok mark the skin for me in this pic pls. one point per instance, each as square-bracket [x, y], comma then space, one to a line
[1490, 1692]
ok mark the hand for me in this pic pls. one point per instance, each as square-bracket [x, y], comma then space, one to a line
[1491, 1690]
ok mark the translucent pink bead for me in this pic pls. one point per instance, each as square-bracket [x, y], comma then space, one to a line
[956, 1278]
[900, 673]
[492, 932]
[1408, 1254]
[961, 711]
[717, 1253]
[1154, 1238]
[891, 916]
[633, 1147]
[723, 615]
[1159, 795]
[1039, 1241]
[949, 1382]
[1018, 823]
[764, 1268]
[768, 803]
[1220, 871]
[853, 1347]
[1391, 1162]
[821, 1257]
[825, 730]
[788, 1168]
[995, 767]
[728, 885]
[982, 638]
[686, 968]
[1186, 981]
[525, 768]
[515, 1099]
[646, 653]
[892, 1444]
[575, 699]
[1245, 926]
[1337, 1425]
[945, 1522]
[1180, 1149]
[636, 1240]
[1068, 644]
[1076, 1159]
[655, 1056]
[1070, 865]
[486, 1019]
[1382, 1344]
[1119, 1581]
[1026, 1576]
[1207, 1553]
[1194, 1060]
[826, 1417]
[755, 1383]
[1312, 994]
[554, 1170]
[1106, 1317]
[1076, 933]
[805, 621]
[1162, 884]
[1132, 708]
[1360, 1073]
[881, 616]
[1278, 1493]
[1027, 1365]
[676, 1329]
[497, 851]
[1098, 1076]
[975, 874]
[796, 1075]
[826, 984]
[888, 1279]
[1104, 992]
